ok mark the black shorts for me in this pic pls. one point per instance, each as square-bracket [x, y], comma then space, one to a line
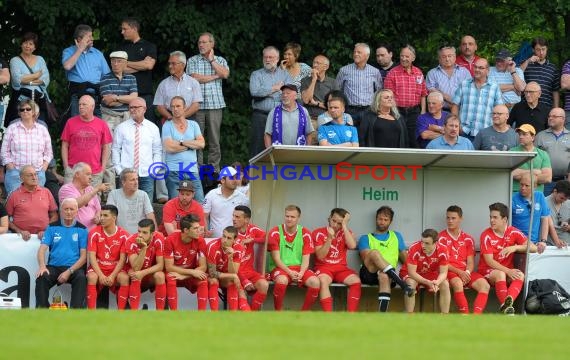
[367, 277]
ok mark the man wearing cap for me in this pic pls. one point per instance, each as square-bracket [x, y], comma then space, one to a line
[509, 77]
[220, 203]
[182, 205]
[288, 123]
[450, 139]
[265, 89]
[117, 90]
[531, 110]
[556, 142]
[542, 169]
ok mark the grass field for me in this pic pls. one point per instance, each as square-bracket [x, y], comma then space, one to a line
[80, 335]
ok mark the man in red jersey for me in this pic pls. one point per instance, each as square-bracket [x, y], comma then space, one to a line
[331, 244]
[498, 245]
[427, 265]
[224, 257]
[182, 205]
[145, 264]
[291, 247]
[461, 263]
[185, 262]
[249, 235]
[106, 253]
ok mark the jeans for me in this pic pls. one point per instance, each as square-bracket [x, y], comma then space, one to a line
[173, 180]
[146, 184]
[12, 180]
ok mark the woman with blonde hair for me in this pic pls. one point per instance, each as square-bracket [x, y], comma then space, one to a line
[381, 126]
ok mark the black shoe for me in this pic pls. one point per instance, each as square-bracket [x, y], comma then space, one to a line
[409, 291]
[507, 304]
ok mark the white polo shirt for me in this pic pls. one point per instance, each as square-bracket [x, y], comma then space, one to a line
[221, 209]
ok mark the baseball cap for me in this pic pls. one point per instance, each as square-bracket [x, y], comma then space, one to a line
[186, 185]
[527, 128]
[503, 54]
[289, 86]
[119, 54]
[227, 171]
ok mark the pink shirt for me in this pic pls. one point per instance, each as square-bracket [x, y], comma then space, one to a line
[22, 146]
[86, 213]
[86, 140]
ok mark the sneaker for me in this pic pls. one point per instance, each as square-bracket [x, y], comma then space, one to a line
[508, 303]
[409, 291]
[509, 311]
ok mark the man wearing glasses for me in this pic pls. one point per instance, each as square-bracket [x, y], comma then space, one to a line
[178, 84]
[499, 136]
[474, 100]
[137, 145]
[555, 141]
[530, 110]
[31, 207]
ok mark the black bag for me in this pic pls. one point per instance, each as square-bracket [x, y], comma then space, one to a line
[546, 296]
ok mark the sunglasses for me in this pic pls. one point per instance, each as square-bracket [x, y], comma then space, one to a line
[24, 109]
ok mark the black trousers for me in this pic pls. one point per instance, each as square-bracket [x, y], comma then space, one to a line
[258, 121]
[410, 116]
[45, 282]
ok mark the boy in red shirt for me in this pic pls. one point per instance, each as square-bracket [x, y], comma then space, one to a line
[427, 265]
[145, 264]
[106, 253]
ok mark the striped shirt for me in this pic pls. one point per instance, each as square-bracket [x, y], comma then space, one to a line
[566, 71]
[170, 87]
[437, 78]
[22, 146]
[505, 78]
[211, 90]
[260, 83]
[408, 88]
[476, 105]
[547, 76]
[112, 85]
[359, 85]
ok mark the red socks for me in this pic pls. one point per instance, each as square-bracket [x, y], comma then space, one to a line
[480, 303]
[327, 304]
[172, 293]
[202, 295]
[135, 294]
[353, 297]
[501, 291]
[232, 298]
[515, 288]
[257, 301]
[159, 296]
[310, 298]
[123, 297]
[279, 295]
[461, 302]
[91, 296]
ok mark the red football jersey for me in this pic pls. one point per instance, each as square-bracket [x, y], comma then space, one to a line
[258, 235]
[108, 248]
[184, 255]
[427, 263]
[491, 243]
[274, 240]
[154, 249]
[337, 251]
[216, 255]
[459, 249]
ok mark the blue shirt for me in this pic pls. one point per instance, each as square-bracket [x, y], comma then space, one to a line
[363, 243]
[90, 67]
[184, 160]
[440, 144]
[359, 85]
[65, 243]
[476, 105]
[337, 134]
[521, 213]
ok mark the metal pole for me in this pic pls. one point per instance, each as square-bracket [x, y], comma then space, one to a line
[527, 255]
[267, 222]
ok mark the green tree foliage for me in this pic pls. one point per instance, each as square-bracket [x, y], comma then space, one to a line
[243, 28]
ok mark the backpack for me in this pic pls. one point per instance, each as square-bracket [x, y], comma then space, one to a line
[546, 296]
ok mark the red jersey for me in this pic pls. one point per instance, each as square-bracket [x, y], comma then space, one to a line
[172, 212]
[154, 249]
[337, 251]
[107, 248]
[258, 236]
[427, 263]
[491, 243]
[459, 249]
[184, 255]
[273, 244]
[216, 255]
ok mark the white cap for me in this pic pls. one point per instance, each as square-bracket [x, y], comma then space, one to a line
[119, 54]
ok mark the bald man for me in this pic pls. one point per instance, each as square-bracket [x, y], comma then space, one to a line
[86, 138]
[499, 136]
[467, 56]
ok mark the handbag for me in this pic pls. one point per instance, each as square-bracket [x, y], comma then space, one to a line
[57, 301]
[43, 100]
